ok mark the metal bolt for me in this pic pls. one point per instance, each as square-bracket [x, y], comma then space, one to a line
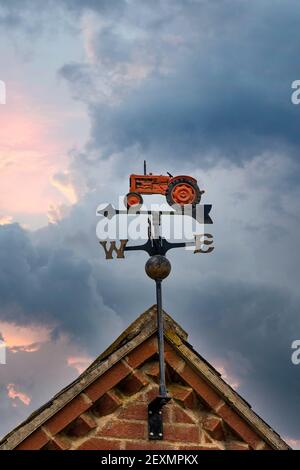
[150, 412]
[160, 412]
[160, 434]
[151, 433]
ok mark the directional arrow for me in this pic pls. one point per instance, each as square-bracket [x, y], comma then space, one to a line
[107, 211]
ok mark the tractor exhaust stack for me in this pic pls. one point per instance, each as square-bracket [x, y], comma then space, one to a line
[145, 168]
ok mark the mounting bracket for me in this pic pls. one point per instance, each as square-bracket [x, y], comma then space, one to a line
[155, 421]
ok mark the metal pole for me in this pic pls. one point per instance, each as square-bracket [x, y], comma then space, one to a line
[160, 338]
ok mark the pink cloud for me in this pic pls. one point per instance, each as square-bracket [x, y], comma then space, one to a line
[25, 338]
[15, 394]
[5, 219]
[224, 370]
[63, 182]
[294, 443]
[30, 348]
[79, 363]
[33, 149]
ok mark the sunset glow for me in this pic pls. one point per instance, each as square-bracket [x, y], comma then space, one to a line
[27, 337]
[14, 394]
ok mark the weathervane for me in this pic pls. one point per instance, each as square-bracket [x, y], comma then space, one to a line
[183, 195]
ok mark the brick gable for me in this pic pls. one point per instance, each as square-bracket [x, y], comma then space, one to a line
[106, 408]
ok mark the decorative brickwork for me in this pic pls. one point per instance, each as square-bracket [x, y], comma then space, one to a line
[107, 407]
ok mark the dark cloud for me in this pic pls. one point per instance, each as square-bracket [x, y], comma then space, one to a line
[258, 322]
[102, 6]
[21, 13]
[52, 286]
[191, 114]
[224, 95]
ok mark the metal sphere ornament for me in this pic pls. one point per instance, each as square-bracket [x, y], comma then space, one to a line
[158, 267]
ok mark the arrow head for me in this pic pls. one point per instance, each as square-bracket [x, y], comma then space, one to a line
[199, 212]
[106, 210]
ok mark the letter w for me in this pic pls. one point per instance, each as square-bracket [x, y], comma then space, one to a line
[113, 247]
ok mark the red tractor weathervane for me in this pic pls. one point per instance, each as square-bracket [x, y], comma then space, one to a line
[177, 189]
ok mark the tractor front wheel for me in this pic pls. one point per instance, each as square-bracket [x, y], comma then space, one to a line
[133, 200]
[183, 191]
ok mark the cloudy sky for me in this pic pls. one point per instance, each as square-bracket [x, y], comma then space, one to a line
[200, 87]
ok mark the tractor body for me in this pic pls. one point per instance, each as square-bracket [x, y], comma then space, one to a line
[180, 189]
[152, 184]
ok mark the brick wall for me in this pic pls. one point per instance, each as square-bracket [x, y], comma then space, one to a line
[111, 413]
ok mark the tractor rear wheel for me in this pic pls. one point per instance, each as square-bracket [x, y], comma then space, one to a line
[183, 191]
[133, 200]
